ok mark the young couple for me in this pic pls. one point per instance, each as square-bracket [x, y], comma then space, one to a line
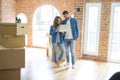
[65, 41]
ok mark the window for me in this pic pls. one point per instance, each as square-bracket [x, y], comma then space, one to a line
[92, 27]
[114, 39]
[23, 17]
[42, 20]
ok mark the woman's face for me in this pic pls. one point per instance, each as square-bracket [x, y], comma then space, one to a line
[59, 21]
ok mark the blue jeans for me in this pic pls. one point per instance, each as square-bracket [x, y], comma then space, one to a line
[70, 45]
[57, 46]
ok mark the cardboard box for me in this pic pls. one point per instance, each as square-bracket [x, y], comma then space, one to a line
[13, 28]
[12, 58]
[12, 41]
[10, 74]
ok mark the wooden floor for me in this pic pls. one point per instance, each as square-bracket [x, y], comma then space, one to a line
[39, 67]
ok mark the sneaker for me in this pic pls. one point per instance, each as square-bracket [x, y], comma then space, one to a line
[58, 63]
[73, 67]
[56, 66]
[66, 65]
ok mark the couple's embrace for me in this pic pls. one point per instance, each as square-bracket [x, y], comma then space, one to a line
[64, 39]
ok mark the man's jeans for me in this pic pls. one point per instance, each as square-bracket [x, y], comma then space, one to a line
[70, 47]
[57, 46]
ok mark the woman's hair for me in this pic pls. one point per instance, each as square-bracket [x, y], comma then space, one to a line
[55, 23]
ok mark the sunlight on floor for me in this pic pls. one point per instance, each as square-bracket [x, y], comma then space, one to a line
[87, 73]
[37, 66]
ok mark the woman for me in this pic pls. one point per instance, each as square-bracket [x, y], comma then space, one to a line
[57, 40]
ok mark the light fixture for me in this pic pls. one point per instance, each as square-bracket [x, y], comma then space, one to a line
[77, 9]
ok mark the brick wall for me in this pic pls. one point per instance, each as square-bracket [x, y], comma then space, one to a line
[79, 17]
[8, 11]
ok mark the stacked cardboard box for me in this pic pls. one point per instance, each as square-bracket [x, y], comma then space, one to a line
[11, 60]
[13, 28]
[12, 41]
[10, 74]
[12, 52]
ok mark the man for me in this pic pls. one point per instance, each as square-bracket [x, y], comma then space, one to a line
[71, 35]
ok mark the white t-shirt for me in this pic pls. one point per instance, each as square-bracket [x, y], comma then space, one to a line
[69, 31]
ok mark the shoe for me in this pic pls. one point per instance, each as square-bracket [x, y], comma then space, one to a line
[56, 66]
[58, 63]
[66, 65]
[73, 67]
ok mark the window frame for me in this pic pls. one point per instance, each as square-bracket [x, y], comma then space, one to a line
[88, 5]
[113, 5]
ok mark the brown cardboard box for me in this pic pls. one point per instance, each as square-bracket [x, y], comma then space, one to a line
[10, 74]
[12, 58]
[12, 41]
[13, 28]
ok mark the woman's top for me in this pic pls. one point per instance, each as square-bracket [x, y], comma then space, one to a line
[56, 36]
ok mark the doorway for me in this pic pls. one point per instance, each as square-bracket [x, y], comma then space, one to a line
[42, 20]
[114, 39]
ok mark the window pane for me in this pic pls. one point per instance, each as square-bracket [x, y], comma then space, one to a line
[92, 24]
[93, 18]
[90, 42]
[114, 48]
[116, 23]
[41, 24]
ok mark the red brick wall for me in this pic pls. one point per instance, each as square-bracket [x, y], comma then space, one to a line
[8, 10]
[79, 17]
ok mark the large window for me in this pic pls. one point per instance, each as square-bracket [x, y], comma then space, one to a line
[42, 20]
[92, 28]
[114, 39]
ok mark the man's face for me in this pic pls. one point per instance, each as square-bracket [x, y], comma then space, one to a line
[66, 16]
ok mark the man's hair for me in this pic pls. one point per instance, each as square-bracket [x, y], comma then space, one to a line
[65, 12]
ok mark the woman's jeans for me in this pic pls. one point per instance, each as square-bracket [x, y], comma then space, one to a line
[57, 46]
[70, 47]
